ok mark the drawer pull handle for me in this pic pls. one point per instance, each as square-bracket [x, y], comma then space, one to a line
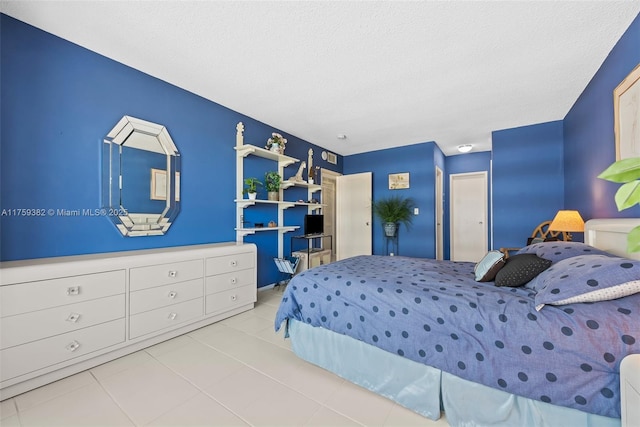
[173, 294]
[172, 316]
[173, 273]
[73, 290]
[234, 280]
[234, 297]
[73, 346]
[233, 263]
[73, 317]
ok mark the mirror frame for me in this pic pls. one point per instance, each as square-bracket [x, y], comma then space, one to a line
[139, 224]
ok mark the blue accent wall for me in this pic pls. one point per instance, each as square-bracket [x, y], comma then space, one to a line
[418, 161]
[528, 180]
[58, 102]
[589, 141]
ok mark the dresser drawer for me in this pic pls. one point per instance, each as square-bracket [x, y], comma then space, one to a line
[22, 359]
[24, 328]
[32, 296]
[162, 296]
[227, 300]
[229, 263]
[165, 317]
[236, 279]
[164, 274]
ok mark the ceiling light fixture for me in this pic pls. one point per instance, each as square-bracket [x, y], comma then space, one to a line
[465, 148]
[342, 136]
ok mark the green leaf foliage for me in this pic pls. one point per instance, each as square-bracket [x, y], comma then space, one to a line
[396, 209]
[633, 240]
[628, 195]
[625, 170]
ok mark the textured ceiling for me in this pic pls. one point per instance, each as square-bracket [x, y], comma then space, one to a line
[384, 73]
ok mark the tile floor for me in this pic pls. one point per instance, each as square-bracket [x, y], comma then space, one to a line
[236, 372]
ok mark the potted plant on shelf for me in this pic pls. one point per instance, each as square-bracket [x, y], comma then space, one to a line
[251, 188]
[276, 143]
[272, 182]
[394, 210]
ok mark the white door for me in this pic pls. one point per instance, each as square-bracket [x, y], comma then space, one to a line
[439, 214]
[353, 215]
[468, 216]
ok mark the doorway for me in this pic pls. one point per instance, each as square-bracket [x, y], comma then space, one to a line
[353, 215]
[468, 217]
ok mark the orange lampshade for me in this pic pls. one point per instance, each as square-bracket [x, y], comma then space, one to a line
[567, 221]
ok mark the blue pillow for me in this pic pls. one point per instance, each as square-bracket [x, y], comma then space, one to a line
[587, 278]
[489, 266]
[557, 251]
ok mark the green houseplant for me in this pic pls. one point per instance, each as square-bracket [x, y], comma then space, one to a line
[627, 173]
[251, 188]
[394, 210]
[272, 182]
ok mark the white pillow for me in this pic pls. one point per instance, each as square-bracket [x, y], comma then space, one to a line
[487, 268]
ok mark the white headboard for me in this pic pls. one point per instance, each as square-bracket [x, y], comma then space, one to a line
[611, 235]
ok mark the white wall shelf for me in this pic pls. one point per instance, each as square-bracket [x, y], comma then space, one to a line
[242, 151]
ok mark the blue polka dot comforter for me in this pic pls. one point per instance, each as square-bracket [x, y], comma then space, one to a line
[434, 312]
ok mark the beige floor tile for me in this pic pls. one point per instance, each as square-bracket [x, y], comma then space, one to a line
[149, 390]
[325, 417]
[169, 345]
[266, 311]
[119, 365]
[400, 416]
[51, 391]
[311, 381]
[199, 411]
[12, 421]
[7, 408]
[200, 364]
[270, 335]
[360, 404]
[84, 407]
[262, 401]
[248, 325]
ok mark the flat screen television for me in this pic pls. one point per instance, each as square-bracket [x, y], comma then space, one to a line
[313, 224]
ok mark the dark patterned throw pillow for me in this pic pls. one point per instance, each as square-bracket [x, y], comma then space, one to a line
[520, 269]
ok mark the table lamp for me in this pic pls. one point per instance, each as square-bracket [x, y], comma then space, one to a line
[567, 221]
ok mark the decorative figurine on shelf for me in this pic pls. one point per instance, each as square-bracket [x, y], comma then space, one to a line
[272, 224]
[298, 176]
[310, 164]
[276, 143]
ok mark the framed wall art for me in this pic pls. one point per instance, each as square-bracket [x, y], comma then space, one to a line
[626, 113]
[398, 181]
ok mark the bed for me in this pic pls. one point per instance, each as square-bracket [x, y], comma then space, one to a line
[427, 335]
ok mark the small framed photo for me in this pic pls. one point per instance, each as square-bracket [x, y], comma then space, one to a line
[398, 181]
[626, 113]
[159, 185]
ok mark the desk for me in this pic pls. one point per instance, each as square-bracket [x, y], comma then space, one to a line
[312, 251]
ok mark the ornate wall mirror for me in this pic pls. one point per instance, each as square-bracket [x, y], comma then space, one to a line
[140, 177]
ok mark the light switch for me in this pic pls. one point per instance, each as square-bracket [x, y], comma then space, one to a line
[416, 211]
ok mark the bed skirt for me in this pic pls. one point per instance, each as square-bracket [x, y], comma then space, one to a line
[428, 390]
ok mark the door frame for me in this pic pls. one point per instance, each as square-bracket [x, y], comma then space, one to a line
[439, 214]
[329, 175]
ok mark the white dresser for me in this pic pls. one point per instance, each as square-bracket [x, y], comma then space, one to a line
[59, 316]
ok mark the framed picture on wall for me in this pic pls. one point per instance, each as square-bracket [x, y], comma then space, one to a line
[159, 185]
[398, 181]
[626, 113]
